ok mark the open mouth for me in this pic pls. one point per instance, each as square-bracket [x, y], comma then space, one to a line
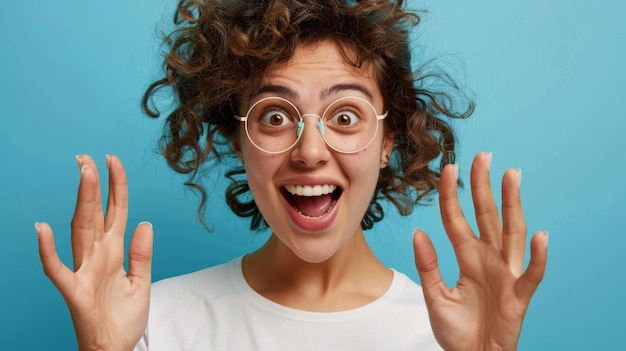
[312, 201]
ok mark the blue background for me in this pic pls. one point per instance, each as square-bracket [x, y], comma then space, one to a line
[548, 77]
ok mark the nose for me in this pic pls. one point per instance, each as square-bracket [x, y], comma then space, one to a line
[311, 149]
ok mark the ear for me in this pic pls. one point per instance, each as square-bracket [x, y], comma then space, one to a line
[387, 148]
[237, 148]
[387, 144]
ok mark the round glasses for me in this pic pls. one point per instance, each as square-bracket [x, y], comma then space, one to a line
[348, 125]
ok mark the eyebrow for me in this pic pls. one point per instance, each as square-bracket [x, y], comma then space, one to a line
[343, 87]
[324, 94]
[274, 89]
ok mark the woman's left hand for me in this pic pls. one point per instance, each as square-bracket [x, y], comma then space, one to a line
[486, 308]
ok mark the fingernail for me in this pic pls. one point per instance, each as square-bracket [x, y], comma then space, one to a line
[455, 167]
[489, 158]
[546, 237]
[107, 159]
[518, 176]
[145, 222]
[79, 161]
[37, 229]
[417, 230]
[84, 168]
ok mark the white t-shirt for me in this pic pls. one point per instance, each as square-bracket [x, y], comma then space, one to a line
[215, 309]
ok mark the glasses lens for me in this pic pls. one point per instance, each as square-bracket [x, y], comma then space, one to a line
[350, 124]
[273, 124]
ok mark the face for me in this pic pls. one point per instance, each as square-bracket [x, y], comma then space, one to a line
[342, 185]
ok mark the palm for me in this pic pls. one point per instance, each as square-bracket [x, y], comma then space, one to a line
[486, 308]
[106, 298]
[109, 308]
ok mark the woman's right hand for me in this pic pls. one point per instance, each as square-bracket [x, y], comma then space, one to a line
[109, 307]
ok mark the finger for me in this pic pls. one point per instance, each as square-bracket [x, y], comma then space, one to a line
[60, 275]
[487, 217]
[529, 281]
[84, 222]
[98, 211]
[426, 264]
[452, 216]
[140, 254]
[117, 204]
[514, 228]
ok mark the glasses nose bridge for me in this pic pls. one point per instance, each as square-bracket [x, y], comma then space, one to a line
[320, 124]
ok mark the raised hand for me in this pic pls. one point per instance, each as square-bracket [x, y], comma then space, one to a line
[486, 308]
[109, 307]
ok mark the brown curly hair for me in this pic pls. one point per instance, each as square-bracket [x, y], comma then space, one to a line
[221, 49]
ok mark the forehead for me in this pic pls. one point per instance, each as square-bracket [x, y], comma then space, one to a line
[315, 68]
[319, 55]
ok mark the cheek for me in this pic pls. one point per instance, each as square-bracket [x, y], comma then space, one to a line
[363, 170]
[259, 166]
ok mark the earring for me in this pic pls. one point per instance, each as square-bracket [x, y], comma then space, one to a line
[384, 161]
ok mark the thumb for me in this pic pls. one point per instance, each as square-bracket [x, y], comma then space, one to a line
[140, 254]
[61, 276]
[426, 263]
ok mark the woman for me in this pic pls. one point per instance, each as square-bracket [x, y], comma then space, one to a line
[318, 101]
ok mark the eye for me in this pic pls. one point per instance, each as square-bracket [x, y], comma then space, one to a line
[345, 118]
[276, 118]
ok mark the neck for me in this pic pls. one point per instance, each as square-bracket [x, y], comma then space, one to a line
[351, 278]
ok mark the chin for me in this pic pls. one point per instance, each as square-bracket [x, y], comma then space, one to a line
[311, 255]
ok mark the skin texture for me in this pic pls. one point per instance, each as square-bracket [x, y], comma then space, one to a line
[485, 310]
[314, 262]
[109, 306]
[315, 268]
[311, 161]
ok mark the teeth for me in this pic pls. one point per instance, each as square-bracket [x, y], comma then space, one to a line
[310, 190]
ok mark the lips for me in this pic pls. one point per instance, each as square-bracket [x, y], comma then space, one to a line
[312, 201]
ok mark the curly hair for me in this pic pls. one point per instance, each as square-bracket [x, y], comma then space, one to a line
[221, 49]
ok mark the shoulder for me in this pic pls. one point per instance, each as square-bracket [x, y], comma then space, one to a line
[403, 286]
[191, 287]
[405, 299]
[183, 309]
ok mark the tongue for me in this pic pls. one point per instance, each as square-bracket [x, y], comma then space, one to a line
[313, 206]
